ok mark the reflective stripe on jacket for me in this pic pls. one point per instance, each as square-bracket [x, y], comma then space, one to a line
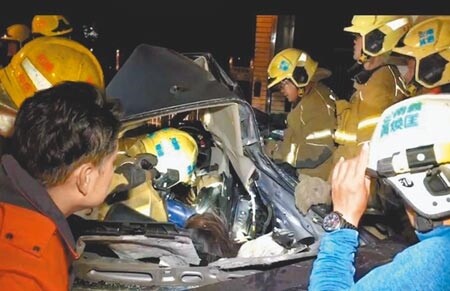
[308, 140]
[356, 120]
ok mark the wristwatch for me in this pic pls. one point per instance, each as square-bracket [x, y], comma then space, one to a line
[334, 221]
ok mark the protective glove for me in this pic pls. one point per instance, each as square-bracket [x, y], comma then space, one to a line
[146, 161]
[311, 191]
[132, 172]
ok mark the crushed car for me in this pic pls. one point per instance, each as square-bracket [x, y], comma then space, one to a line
[145, 238]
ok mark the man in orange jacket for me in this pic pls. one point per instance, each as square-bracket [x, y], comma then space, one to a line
[60, 160]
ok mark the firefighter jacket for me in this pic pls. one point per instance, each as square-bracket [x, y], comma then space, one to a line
[36, 243]
[308, 139]
[356, 120]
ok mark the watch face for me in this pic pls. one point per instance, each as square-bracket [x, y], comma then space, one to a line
[331, 221]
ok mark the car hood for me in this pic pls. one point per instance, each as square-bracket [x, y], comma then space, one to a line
[157, 78]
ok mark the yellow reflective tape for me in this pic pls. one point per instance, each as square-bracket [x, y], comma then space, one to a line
[319, 134]
[290, 158]
[371, 121]
[396, 24]
[340, 135]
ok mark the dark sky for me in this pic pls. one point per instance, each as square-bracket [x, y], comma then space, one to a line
[224, 28]
[222, 34]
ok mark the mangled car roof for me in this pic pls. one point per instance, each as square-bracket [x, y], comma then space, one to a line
[155, 78]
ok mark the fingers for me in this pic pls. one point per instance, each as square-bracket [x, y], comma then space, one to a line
[354, 168]
[336, 169]
[363, 160]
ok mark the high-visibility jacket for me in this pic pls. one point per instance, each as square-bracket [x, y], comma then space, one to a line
[308, 139]
[356, 119]
[36, 245]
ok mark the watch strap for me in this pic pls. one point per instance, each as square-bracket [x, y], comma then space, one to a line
[345, 223]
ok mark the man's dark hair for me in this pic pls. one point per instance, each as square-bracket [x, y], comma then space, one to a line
[62, 127]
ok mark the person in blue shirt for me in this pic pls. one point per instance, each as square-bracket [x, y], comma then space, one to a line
[419, 170]
[410, 151]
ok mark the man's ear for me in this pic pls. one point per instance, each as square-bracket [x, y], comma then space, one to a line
[84, 177]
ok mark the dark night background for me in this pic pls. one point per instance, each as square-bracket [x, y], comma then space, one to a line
[224, 28]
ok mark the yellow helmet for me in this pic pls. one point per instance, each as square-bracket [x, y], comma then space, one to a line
[293, 64]
[45, 61]
[428, 42]
[380, 33]
[50, 25]
[17, 32]
[174, 148]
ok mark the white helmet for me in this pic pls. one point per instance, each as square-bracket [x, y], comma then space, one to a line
[410, 148]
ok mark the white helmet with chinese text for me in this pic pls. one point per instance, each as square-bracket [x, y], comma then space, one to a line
[410, 150]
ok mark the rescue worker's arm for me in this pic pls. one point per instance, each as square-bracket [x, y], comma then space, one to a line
[281, 153]
[334, 268]
[343, 109]
[378, 93]
[316, 144]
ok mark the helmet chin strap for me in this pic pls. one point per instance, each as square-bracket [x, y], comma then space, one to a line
[363, 58]
[423, 224]
[413, 87]
[300, 91]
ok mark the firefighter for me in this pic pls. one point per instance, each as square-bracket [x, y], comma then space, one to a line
[426, 48]
[15, 37]
[50, 25]
[175, 153]
[377, 85]
[307, 143]
[42, 63]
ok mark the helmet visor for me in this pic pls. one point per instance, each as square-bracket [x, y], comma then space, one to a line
[430, 69]
[373, 42]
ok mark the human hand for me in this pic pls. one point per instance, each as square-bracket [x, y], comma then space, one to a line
[350, 187]
[7, 118]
